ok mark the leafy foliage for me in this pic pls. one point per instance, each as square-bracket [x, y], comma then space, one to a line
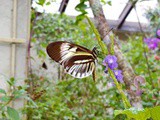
[15, 93]
[13, 114]
[81, 99]
[73, 99]
[135, 56]
[44, 2]
[140, 114]
[152, 15]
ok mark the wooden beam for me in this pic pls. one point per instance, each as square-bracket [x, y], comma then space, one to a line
[132, 27]
[12, 40]
[127, 9]
[63, 6]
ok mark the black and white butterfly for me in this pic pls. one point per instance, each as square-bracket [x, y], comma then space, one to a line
[77, 61]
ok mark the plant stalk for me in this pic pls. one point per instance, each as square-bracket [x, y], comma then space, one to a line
[105, 50]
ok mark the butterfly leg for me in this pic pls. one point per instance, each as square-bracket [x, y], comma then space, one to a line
[94, 75]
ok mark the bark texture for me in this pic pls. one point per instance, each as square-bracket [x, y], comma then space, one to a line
[103, 29]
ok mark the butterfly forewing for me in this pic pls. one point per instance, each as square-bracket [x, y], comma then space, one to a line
[76, 60]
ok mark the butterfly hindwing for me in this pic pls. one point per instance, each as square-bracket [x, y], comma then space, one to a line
[76, 60]
[80, 66]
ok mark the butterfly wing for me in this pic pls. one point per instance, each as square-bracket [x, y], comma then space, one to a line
[77, 60]
[80, 66]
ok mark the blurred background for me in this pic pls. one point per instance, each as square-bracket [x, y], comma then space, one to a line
[34, 87]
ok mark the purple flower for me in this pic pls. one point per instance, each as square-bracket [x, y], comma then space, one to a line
[152, 42]
[153, 46]
[118, 75]
[147, 40]
[158, 33]
[155, 40]
[111, 60]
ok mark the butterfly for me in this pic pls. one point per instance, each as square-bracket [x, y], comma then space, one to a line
[77, 61]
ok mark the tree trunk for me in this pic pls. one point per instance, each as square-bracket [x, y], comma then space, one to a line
[127, 70]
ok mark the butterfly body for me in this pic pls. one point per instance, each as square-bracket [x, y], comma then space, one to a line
[78, 61]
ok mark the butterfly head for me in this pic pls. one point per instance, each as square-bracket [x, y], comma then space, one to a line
[95, 52]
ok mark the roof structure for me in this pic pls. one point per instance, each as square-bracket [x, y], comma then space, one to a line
[129, 6]
[120, 15]
[127, 9]
[63, 6]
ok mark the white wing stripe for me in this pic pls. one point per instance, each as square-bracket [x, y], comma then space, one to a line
[82, 61]
[81, 70]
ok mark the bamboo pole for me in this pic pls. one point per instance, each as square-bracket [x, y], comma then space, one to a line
[13, 45]
[14, 35]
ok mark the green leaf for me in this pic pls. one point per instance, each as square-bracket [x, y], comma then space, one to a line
[42, 53]
[13, 114]
[109, 3]
[11, 81]
[34, 40]
[103, 1]
[4, 98]
[155, 112]
[48, 3]
[80, 18]
[81, 7]
[2, 91]
[44, 45]
[3, 114]
[18, 93]
[41, 2]
[134, 113]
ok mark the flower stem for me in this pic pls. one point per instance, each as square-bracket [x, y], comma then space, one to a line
[112, 44]
[102, 45]
[119, 87]
[105, 51]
